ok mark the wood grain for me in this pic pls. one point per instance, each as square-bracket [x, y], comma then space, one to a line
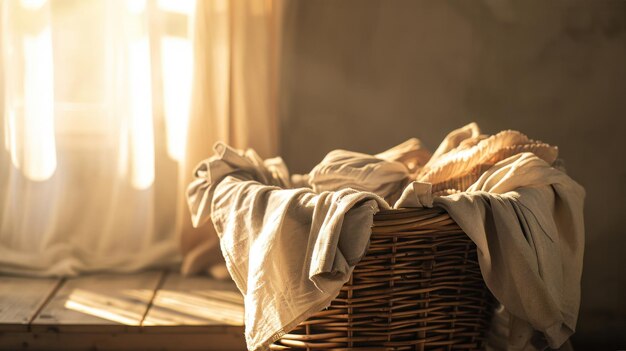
[99, 300]
[105, 312]
[195, 301]
[125, 341]
[21, 298]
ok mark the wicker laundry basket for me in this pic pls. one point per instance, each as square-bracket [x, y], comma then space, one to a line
[419, 287]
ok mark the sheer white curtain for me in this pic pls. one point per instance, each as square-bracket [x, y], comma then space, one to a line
[234, 99]
[94, 99]
[97, 143]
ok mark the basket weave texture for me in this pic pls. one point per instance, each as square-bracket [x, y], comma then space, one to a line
[419, 287]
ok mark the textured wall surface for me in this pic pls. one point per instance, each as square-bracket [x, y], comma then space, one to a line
[366, 75]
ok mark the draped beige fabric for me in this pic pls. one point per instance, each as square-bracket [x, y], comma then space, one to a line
[233, 100]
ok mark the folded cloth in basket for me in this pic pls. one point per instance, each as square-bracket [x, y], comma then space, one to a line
[384, 174]
[465, 149]
[526, 219]
[289, 250]
[342, 169]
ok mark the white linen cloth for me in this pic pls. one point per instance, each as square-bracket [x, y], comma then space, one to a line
[526, 219]
[411, 153]
[288, 250]
[342, 169]
[384, 174]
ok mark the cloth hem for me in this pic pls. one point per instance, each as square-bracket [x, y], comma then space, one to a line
[289, 326]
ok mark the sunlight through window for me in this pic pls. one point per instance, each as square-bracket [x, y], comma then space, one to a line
[177, 6]
[29, 95]
[176, 60]
[32, 4]
[198, 307]
[39, 150]
[65, 93]
[142, 130]
[115, 307]
[136, 6]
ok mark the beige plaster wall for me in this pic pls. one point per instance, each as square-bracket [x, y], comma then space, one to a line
[366, 74]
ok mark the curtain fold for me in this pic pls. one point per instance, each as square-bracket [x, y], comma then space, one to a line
[234, 99]
[102, 124]
[77, 172]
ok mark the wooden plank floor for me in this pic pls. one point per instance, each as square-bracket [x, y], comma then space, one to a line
[153, 310]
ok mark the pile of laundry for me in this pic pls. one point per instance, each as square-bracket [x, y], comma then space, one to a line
[291, 241]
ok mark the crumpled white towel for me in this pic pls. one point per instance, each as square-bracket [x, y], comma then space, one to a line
[385, 174]
[342, 169]
[288, 250]
[411, 153]
[526, 219]
[227, 161]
